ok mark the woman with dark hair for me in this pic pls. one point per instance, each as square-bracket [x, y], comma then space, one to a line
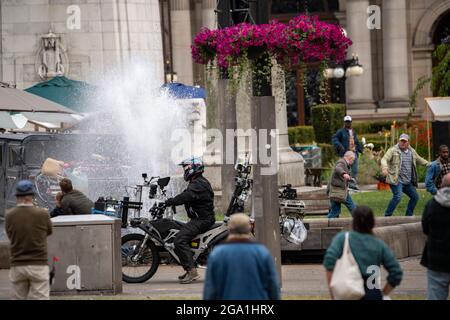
[369, 252]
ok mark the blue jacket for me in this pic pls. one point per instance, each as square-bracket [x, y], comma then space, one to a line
[433, 172]
[340, 142]
[241, 270]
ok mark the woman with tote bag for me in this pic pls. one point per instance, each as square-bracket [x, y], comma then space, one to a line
[353, 262]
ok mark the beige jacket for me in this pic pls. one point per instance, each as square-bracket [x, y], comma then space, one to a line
[392, 162]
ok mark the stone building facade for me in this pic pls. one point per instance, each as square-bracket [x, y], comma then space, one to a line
[394, 57]
[81, 39]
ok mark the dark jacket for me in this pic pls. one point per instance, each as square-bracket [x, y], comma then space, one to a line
[341, 143]
[337, 178]
[75, 202]
[27, 228]
[241, 270]
[436, 225]
[198, 199]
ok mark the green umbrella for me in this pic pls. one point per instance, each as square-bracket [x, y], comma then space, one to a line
[70, 93]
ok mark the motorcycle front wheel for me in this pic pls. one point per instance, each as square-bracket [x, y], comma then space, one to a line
[138, 264]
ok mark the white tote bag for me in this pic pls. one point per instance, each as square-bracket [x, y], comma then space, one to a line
[347, 282]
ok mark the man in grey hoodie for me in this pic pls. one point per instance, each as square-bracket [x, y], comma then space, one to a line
[436, 254]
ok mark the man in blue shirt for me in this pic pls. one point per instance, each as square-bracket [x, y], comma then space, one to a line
[241, 269]
[345, 140]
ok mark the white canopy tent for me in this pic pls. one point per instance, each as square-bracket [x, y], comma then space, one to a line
[436, 109]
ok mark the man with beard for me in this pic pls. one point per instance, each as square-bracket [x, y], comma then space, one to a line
[438, 169]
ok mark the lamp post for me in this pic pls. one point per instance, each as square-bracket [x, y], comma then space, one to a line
[341, 71]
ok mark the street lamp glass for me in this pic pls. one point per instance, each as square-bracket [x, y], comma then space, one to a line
[328, 73]
[338, 73]
[358, 70]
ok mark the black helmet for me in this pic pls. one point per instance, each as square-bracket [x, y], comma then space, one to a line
[192, 167]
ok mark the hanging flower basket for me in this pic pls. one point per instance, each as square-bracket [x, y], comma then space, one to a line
[303, 39]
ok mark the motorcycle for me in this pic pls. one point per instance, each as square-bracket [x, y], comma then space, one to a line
[292, 213]
[243, 187]
[141, 253]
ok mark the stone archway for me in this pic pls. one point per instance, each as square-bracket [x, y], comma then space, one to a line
[423, 46]
[423, 34]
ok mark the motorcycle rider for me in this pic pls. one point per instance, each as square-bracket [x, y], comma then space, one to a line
[198, 199]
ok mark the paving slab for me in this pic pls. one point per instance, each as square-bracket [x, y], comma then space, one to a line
[300, 281]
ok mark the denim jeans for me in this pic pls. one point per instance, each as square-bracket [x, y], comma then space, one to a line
[335, 209]
[397, 191]
[438, 285]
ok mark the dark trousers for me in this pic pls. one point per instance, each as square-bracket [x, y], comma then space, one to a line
[56, 212]
[371, 294]
[185, 236]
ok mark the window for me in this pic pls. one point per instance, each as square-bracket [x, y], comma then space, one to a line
[299, 6]
[14, 158]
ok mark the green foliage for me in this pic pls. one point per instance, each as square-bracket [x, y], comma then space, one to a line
[301, 135]
[368, 167]
[371, 127]
[440, 79]
[441, 73]
[421, 83]
[329, 156]
[326, 120]
[421, 173]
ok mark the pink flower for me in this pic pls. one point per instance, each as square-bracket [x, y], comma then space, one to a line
[303, 39]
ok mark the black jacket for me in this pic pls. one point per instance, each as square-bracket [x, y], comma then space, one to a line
[75, 202]
[198, 199]
[436, 225]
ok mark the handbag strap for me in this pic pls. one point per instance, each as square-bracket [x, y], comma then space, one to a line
[346, 249]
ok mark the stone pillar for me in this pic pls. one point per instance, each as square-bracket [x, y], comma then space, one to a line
[395, 54]
[208, 14]
[265, 205]
[291, 162]
[359, 89]
[181, 41]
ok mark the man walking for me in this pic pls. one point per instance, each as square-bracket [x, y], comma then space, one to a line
[399, 166]
[344, 140]
[27, 228]
[438, 169]
[241, 269]
[436, 255]
[340, 180]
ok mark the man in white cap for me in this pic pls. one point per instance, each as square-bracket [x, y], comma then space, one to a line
[399, 167]
[344, 140]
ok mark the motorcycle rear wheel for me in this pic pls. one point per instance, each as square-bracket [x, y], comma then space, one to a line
[148, 262]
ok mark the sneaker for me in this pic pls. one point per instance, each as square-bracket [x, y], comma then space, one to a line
[191, 276]
[183, 276]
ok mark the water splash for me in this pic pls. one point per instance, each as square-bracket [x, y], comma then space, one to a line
[131, 107]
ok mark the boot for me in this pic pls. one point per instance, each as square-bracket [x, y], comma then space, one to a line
[191, 276]
[183, 276]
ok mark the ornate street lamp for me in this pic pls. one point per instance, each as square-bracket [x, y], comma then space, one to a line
[348, 68]
[338, 73]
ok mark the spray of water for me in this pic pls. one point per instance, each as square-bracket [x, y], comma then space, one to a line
[131, 108]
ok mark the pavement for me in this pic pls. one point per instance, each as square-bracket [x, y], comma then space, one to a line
[300, 282]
